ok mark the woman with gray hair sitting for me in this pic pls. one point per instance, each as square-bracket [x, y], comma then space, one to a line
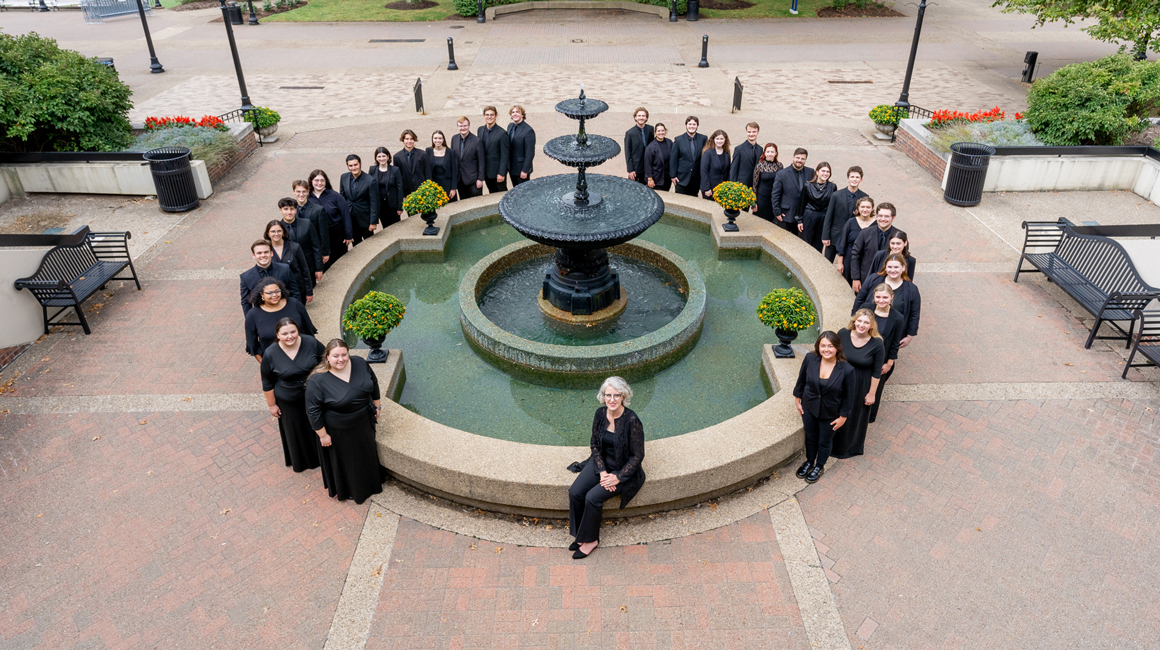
[614, 467]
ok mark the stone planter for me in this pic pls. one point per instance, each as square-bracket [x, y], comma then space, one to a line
[265, 132]
[887, 129]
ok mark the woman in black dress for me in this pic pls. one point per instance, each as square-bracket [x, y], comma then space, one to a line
[907, 299]
[864, 351]
[715, 162]
[763, 175]
[613, 468]
[390, 180]
[656, 159]
[900, 244]
[816, 198]
[290, 253]
[342, 401]
[825, 398]
[285, 367]
[271, 304]
[891, 327]
[863, 218]
[337, 214]
[442, 165]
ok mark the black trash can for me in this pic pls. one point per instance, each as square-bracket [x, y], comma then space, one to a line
[693, 12]
[173, 178]
[968, 170]
[235, 12]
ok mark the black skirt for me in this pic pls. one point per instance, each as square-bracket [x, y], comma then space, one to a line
[350, 465]
[299, 442]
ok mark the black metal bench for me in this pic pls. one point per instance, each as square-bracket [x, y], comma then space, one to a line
[1147, 341]
[70, 275]
[1091, 268]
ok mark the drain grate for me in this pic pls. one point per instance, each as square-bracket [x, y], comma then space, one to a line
[398, 40]
[577, 40]
[457, 27]
[845, 81]
[679, 64]
[301, 87]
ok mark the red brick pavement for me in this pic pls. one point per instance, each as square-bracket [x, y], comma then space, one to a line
[726, 588]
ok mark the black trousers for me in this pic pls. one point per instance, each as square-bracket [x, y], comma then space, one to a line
[388, 214]
[516, 180]
[586, 500]
[494, 186]
[819, 438]
[360, 234]
[337, 245]
[469, 190]
[692, 189]
[831, 252]
[812, 232]
[878, 393]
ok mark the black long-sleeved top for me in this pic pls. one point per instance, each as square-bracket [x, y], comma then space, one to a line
[286, 376]
[444, 170]
[362, 194]
[714, 169]
[891, 327]
[785, 197]
[248, 281]
[523, 147]
[816, 197]
[745, 157]
[636, 140]
[628, 451]
[337, 211]
[469, 151]
[260, 332]
[840, 210]
[325, 392]
[497, 147]
[304, 232]
[860, 255]
[656, 162]
[413, 166]
[825, 399]
[880, 259]
[907, 300]
[391, 192]
[868, 358]
[685, 159]
[293, 256]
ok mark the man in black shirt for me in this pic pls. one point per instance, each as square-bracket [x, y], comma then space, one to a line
[497, 147]
[745, 157]
[523, 140]
[787, 191]
[412, 161]
[636, 140]
[841, 210]
[300, 230]
[361, 192]
[869, 242]
[685, 161]
[319, 224]
[265, 266]
[470, 157]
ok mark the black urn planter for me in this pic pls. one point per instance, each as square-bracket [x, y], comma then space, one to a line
[782, 350]
[429, 218]
[379, 355]
[731, 226]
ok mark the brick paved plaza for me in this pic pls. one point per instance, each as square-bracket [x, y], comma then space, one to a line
[1008, 497]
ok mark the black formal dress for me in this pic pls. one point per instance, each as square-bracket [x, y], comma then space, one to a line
[305, 232]
[841, 208]
[763, 176]
[745, 158]
[845, 242]
[823, 401]
[714, 170]
[860, 256]
[497, 148]
[816, 199]
[786, 196]
[248, 282]
[287, 378]
[350, 465]
[656, 164]
[362, 194]
[413, 165]
[391, 192]
[880, 259]
[443, 169]
[685, 162]
[260, 324]
[293, 257]
[617, 452]
[523, 141]
[867, 361]
[338, 224]
[636, 141]
[891, 327]
[907, 300]
[469, 156]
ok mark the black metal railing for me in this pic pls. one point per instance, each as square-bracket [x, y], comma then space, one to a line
[239, 116]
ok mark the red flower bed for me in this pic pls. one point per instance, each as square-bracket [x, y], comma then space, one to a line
[206, 121]
[942, 118]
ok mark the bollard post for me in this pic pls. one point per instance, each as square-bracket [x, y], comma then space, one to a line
[451, 54]
[738, 89]
[704, 52]
[673, 11]
[479, 17]
[419, 108]
[253, 16]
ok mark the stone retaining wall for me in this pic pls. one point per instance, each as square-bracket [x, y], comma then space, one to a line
[910, 139]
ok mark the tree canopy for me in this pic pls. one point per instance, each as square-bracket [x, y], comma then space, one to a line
[1122, 21]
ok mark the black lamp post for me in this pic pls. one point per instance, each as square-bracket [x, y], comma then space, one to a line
[673, 11]
[157, 4]
[237, 62]
[904, 98]
[253, 17]
[154, 64]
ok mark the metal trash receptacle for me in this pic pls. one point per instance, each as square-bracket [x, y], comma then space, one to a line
[235, 12]
[968, 170]
[173, 178]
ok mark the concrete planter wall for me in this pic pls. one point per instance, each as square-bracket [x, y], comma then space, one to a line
[491, 12]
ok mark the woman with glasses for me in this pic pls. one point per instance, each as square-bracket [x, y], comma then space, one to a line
[614, 468]
[272, 304]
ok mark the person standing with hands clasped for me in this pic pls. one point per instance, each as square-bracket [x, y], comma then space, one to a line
[497, 149]
[613, 468]
[816, 197]
[824, 394]
[285, 366]
[636, 140]
[764, 174]
[714, 163]
[685, 164]
[469, 156]
[865, 351]
[656, 160]
[523, 141]
[362, 194]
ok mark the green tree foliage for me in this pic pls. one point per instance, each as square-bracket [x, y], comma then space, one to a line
[57, 100]
[1094, 103]
[1117, 21]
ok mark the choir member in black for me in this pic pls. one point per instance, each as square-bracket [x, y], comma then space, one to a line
[342, 402]
[840, 210]
[523, 140]
[469, 154]
[714, 163]
[685, 160]
[907, 299]
[264, 267]
[613, 468]
[656, 159]
[288, 253]
[636, 140]
[816, 198]
[390, 181]
[303, 231]
[864, 351]
[892, 327]
[787, 191]
[763, 176]
[825, 398]
[899, 244]
[285, 366]
[745, 157]
[442, 165]
[271, 304]
[361, 192]
[412, 162]
[870, 241]
[863, 218]
[340, 229]
[497, 148]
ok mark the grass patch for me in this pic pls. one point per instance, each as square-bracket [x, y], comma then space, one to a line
[361, 11]
[770, 9]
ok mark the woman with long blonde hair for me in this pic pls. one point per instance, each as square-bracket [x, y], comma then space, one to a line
[865, 351]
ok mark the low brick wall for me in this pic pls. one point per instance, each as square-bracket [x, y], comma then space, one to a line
[248, 142]
[8, 355]
[906, 142]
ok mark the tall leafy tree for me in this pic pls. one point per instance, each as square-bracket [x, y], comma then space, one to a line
[1117, 21]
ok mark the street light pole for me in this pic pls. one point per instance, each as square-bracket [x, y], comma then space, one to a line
[237, 62]
[253, 17]
[154, 64]
[904, 98]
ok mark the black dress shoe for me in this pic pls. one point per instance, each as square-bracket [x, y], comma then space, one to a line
[805, 469]
[815, 474]
[574, 547]
[579, 555]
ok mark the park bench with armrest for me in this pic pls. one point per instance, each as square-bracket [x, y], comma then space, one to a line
[1147, 341]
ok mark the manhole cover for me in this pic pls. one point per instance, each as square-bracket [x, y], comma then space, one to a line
[577, 40]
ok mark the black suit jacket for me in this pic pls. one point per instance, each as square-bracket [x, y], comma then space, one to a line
[362, 194]
[523, 147]
[861, 253]
[497, 147]
[249, 279]
[786, 195]
[830, 400]
[391, 187]
[714, 169]
[304, 233]
[293, 257]
[469, 152]
[842, 205]
[745, 157]
[634, 148]
[414, 169]
[685, 160]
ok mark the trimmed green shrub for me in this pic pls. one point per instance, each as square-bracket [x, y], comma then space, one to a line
[206, 144]
[58, 100]
[1094, 103]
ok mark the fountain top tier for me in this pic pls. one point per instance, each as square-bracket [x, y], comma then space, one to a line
[581, 150]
